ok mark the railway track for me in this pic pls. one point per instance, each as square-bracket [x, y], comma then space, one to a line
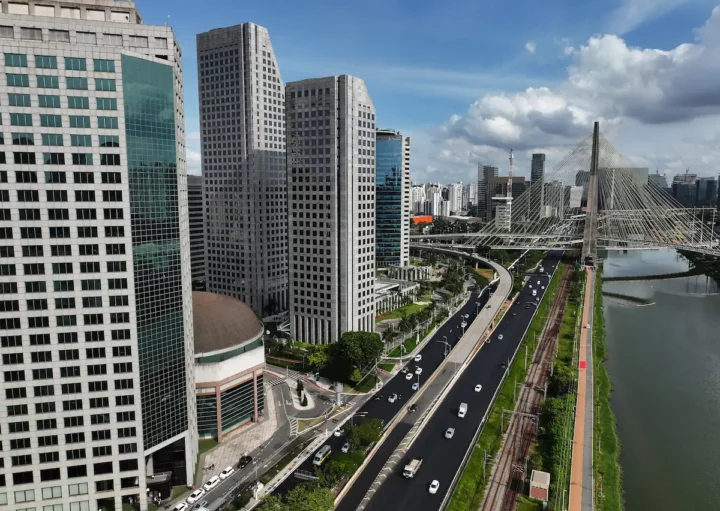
[508, 477]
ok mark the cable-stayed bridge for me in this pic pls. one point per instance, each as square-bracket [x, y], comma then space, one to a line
[594, 199]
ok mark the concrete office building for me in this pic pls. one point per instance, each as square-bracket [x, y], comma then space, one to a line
[197, 232]
[392, 199]
[418, 199]
[242, 127]
[331, 175]
[96, 328]
[455, 192]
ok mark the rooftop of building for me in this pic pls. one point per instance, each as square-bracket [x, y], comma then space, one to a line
[221, 322]
[79, 9]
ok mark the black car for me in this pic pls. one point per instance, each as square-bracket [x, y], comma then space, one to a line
[503, 365]
[244, 461]
[413, 408]
[378, 397]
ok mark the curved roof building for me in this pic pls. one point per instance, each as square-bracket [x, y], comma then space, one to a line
[229, 363]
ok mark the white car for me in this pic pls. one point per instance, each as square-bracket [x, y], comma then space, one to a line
[500, 337]
[543, 287]
[346, 447]
[449, 433]
[538, 282]
[478, 388]
[180, 507]
[392, 398]
[415, 386]
[195, 496]
[409, 376]
[212, 483]
[434, 486]
[226, 473]
[418, 370]
[418, 357]
[587, 326]
[530, 286]
[337, 432]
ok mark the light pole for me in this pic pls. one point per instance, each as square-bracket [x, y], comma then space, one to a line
[447, 345]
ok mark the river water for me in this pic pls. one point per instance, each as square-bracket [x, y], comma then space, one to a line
[664, 361]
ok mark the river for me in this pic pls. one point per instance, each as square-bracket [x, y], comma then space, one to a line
[664, 362]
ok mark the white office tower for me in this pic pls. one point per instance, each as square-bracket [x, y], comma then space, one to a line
[242, 126]
[444, 208]
[469, 196]
[455, 193]
[96, 324]
[418, 199]
[331, 222]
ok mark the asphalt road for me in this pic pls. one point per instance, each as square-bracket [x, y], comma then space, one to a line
[379, 407]
[441, 457]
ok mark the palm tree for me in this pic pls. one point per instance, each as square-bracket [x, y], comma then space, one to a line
[389, 334]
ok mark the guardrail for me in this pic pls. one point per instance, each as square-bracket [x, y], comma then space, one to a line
[481, 426]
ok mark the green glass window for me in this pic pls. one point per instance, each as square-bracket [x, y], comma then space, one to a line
[49, 101]
[79, 121]
[15, 60]
[78, 102]
[15, 80]
[105, 66]
[23, 139]
[105, 84]
[51, 121]
[20, 119]
[77, 83]
[106, 104]
[80, 140]
[45, 62]
[107, 123]
[52, 139]
[19, 99]
[48, 82]
[109, 141]
[75, 64]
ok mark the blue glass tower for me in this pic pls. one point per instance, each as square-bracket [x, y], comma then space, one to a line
[390, 215]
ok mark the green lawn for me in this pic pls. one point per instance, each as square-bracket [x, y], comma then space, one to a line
[528, 504]
[387, 367]
[409, 344]
[397, 313]
[468, 493]
[367, 384]
[205, 445]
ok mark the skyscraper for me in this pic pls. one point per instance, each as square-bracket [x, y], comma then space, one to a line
[242, 126]
[197, 231]
[455, 197]
[537, 167]
[331, 175]
[484, 202]
[96, 325]
[392, 199]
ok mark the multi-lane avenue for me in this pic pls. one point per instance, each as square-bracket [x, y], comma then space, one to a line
[442, 457]
[379, 407]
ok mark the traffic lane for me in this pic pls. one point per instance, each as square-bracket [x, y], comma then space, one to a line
[383, 409]
[444, 458]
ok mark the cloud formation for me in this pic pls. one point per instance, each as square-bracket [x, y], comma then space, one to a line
[628, 89]
[530, 46]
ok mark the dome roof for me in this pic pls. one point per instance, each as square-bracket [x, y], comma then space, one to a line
[221, 322]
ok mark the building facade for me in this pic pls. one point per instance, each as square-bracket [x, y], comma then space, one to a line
[392, 199]
[94, 258]
[537, 167]
[242, 128]
[484, 193]
[331, 179]
[197, 231]
[455, 194]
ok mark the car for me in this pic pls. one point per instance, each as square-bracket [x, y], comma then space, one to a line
[409, 376]
[527, 306]
[413, 408]
[404, 369]
[500, 337]
[244, 461]
[415, 386]
[478, 388]
[180, 507]
[467, 316]
[530, 286]
[587, 326]
[433, 488]
[203, 504]
[337, 432]
[503, 365]
[226, 473]
[346, 447]
[418, 357]
[538, 282]
[514, 313]
[418, 370]
[392, 398]
[449, 433]
[378, 397]
[195, 496]
[542, 287]
[212, 483]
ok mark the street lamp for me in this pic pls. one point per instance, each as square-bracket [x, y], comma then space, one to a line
[352, 417]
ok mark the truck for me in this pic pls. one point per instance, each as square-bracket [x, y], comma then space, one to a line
[462, 410]
[412, 468]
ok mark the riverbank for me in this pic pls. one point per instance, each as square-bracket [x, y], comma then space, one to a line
[607, 470]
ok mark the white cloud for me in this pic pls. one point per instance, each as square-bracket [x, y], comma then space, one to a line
[630, 14]
[193, 162]
[645, 99]
[530, 46]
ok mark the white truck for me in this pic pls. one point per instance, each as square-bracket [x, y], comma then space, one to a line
[411, 468]
[462, 410]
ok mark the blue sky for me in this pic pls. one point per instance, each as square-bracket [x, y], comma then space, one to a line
[427, 60]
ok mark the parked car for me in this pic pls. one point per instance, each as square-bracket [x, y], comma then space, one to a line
[195, 496]
[180, 507]
[244, 461]
[226, 473]
[212, 483]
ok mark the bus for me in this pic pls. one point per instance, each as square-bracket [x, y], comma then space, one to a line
[322, 455]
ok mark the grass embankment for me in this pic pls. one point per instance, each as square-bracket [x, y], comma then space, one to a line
[486, 272]
[387, 367]
[409, 345]
[608, 474]
[470, 488]
[528, 504]
[411, 308]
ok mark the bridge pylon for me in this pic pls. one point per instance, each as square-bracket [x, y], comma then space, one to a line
[589, 247]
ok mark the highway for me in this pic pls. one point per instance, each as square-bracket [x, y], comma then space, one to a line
[379, 407]
[441, 457]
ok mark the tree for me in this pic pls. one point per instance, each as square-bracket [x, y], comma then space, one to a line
[365, 433]
[310, 497]
[304, 401]
[300, 388]
[389, 334]
[274, 502]
[353, 354]
[319, 357]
